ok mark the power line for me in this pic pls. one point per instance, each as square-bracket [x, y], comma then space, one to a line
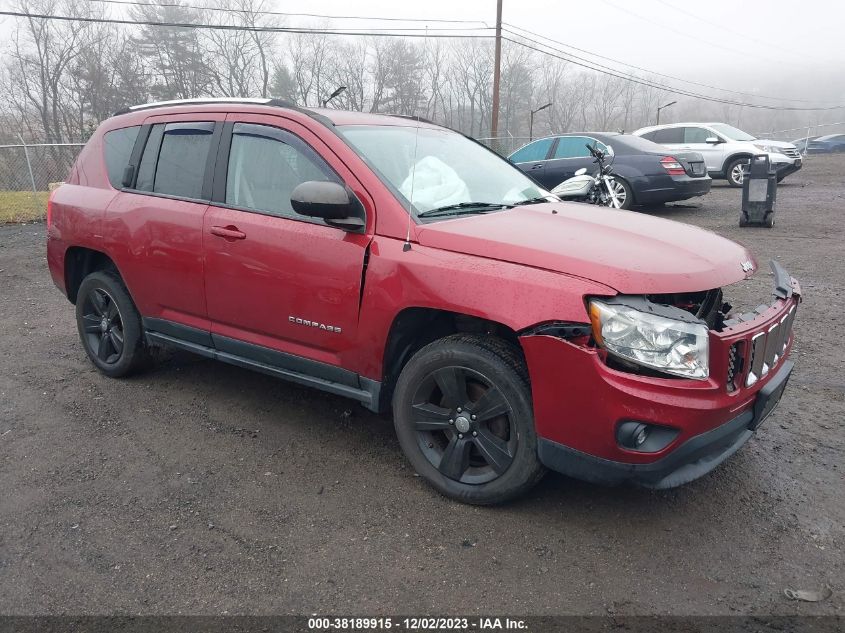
[260, 29]
[287, 14]
[688, 35]
[670, 89]
[523, 31]
[594, 66]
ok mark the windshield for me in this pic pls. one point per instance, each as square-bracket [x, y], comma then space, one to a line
[732, 133]
[436, 168]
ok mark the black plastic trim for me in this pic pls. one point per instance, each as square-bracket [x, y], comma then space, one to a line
[290, 367]
[783, 282]
[281, 360]
[186, 333]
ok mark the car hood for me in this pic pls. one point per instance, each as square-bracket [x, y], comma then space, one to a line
[782, 144]
[629, 252]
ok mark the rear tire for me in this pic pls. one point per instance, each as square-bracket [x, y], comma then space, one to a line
[463, 414]
[735, 172]
[109, 325]
[623, 189]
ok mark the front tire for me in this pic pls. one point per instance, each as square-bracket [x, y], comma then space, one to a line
[109, 325]
[736, 171]
[463, 414]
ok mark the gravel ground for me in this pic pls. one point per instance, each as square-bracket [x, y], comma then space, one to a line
[203, 488]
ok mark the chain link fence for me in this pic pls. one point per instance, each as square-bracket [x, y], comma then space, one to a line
[505, 145]
[26, 173]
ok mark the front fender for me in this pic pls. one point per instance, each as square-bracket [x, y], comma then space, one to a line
[513, 295]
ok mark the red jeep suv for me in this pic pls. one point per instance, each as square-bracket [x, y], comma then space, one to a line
[403, 265]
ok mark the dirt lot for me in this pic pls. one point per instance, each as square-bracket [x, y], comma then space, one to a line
[203, 488]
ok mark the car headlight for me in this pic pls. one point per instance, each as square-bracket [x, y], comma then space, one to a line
[667, 345]
[768, 149]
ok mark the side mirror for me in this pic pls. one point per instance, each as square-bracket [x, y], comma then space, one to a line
[712, 140]
[581, 171]
[330, 201]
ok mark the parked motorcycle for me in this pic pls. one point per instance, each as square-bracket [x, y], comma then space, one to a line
[600, 189]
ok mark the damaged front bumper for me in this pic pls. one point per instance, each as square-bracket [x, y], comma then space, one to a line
[580, 402]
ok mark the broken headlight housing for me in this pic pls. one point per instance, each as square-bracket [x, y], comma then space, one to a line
[673, 346]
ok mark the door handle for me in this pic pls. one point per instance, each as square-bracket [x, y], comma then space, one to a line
[230, 232]
[537, 166]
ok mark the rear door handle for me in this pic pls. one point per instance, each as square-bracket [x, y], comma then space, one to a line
[230, 232]
[537, 166]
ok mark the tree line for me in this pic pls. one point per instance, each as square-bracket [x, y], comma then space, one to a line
[63, 78]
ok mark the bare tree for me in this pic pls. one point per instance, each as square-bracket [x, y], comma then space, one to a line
[175, 55]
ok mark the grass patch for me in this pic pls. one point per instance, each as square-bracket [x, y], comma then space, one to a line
[22, 206]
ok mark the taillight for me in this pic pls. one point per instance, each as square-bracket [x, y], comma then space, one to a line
[50, 209]
[672, 166]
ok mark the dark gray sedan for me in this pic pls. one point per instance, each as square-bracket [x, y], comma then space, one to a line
[649, 173]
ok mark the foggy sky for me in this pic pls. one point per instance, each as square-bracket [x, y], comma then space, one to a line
[789, 48]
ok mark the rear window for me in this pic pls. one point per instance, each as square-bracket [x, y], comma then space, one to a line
[174, 159]
[117, 147]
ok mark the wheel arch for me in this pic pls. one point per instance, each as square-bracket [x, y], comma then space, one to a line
[80, 262]
[415, 327]
[731, 159]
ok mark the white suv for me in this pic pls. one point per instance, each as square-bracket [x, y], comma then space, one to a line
[726, 149]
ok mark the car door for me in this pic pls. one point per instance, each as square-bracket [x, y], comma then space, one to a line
[568, 156]
[282, 289]
[154, 226]
[695, 139]
[532, 158]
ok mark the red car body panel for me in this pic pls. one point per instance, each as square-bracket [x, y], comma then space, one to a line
[521, 268]
[598, 397]
[630, 252]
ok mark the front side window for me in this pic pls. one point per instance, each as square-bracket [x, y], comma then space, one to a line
[538, 150]
[576, 146]
[431, 168]
[174, 159]
[117, 148]
[732, 133]
[265, 165]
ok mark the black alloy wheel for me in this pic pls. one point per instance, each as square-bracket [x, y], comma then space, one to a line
[103, 326]
[463, 414]
[464, 425]
[109, 325]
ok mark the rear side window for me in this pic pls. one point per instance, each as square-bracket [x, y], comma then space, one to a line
[668, 135]
[696, 135]
[117, 148]
[538, 150]
[265, 165]
[174, 159]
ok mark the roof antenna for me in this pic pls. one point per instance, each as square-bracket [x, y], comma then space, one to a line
[407, 245]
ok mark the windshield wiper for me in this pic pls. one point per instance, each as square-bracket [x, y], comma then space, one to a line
[463, 208]
[538, 200]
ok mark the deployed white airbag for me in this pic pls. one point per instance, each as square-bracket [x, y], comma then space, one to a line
[435, 184]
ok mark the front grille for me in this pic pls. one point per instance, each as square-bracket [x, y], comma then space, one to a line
[767, 348]
[735, 362]
[788, 151]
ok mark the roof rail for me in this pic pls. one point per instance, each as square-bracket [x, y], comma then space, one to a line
[414, 117]
[279, 103]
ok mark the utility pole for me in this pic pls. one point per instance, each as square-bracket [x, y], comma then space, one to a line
[497, 64]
